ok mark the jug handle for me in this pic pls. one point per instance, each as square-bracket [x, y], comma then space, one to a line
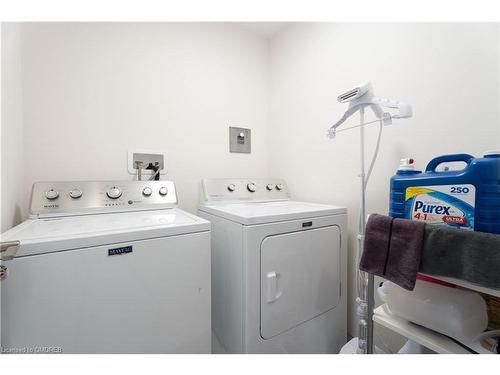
[431, 167]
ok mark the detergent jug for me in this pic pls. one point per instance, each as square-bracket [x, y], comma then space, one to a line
[468, 198]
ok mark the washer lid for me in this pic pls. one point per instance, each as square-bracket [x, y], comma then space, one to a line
[249, 213]
[38, 236]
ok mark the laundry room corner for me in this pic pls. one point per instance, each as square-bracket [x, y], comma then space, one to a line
[455, 98]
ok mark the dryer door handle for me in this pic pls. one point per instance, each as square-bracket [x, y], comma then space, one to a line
[273, 292]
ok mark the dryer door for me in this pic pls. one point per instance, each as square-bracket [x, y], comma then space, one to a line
[300, 278]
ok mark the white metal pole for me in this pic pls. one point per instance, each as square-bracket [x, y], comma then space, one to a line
[368, 279]
[362, 176]
[361, 282]
[365, 297]
[369, 312]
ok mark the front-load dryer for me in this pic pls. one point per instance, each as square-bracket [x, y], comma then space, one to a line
[106, 267]
[278, 269]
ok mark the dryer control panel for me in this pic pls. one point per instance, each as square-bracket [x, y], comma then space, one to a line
[86, 197]
[230, 189]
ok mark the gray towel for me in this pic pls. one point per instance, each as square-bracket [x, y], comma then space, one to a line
[392, 249]
[376, 247]
[462, 254]
[405, 251]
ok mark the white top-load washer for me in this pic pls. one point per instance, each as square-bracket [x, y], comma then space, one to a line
[278, 268]
[106, 267]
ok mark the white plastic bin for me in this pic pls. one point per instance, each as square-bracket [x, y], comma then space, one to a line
[454, 312]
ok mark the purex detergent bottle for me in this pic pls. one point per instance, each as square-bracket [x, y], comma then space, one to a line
[468, 198]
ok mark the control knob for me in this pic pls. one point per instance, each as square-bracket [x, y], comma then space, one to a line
[231, 187]
[51, 194]
[75, 193]
[279, 187]
[147, 191]
[163, 191]
[114, 193]
[251, 187]
[270, 187]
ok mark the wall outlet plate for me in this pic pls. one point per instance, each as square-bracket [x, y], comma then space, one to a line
[240, 140]
[146, 156]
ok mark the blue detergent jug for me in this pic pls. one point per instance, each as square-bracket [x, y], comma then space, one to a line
[468, 198]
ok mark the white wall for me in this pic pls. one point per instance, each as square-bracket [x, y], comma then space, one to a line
[12, 145]
[448, 72]
[94, 91]
[11, 142]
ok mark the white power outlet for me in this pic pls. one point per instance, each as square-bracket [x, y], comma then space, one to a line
[146, 156]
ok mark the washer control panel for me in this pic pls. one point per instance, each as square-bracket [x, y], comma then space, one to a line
[220, 189]
[85, 197]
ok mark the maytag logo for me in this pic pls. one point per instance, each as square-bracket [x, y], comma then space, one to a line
[120, 250]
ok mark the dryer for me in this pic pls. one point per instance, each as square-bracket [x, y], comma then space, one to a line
[278, 268]
[106, 267]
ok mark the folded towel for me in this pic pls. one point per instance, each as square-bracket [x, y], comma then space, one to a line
[377, 235]
[403, 259]
[392, 249]
[462, 254]
[397, 249]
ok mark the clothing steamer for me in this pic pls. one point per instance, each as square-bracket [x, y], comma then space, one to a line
[359, 98]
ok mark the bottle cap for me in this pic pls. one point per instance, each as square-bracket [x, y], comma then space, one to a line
[406, 164]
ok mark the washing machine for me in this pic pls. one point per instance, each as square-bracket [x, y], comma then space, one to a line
[278, 269]
[106, 267]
